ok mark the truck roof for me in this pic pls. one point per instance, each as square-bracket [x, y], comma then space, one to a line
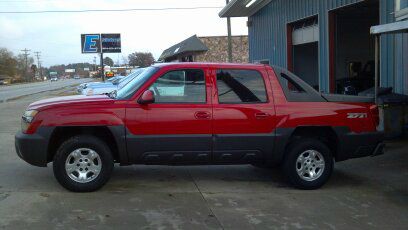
[205, 64]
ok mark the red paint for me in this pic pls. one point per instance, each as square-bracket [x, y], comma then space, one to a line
[207, 118]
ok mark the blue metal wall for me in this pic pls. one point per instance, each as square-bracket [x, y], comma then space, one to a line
[394, 53]
[267, 38]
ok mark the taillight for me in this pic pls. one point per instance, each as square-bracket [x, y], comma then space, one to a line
[375, 114]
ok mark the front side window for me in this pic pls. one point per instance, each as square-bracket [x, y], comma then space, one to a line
[240, 86]
[180, 86]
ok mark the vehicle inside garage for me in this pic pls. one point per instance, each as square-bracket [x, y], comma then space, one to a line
[353, 48]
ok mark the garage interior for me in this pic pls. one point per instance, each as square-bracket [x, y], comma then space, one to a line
[352, 48]
[305, 49]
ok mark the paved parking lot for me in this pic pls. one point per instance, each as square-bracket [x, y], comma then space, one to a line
[369, 193]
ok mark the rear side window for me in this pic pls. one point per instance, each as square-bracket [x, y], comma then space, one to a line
[180, 86]
[240, 86]
[290, 85]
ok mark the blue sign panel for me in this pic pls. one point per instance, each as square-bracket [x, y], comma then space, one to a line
[97, 43]
[91, 43]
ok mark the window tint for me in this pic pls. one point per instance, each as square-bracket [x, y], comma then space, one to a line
[240, 86]
[290, 85]
[180, 86]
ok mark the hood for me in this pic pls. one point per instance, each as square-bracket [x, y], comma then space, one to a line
[71, 100]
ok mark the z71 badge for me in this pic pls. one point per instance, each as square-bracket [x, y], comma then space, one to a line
[356, 115]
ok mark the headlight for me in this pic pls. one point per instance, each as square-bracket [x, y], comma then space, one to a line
[29, 115]
[27, 118]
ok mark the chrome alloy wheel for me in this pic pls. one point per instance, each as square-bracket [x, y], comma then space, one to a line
[310, 165]
[83, 165]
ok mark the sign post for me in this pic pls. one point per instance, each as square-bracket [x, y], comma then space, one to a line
[102, 74]
[101, 43]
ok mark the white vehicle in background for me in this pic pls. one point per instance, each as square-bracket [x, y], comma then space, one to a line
[108, 87]
[54, 78]
[90, 84]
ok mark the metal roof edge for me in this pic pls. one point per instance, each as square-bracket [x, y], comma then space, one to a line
[394, 27]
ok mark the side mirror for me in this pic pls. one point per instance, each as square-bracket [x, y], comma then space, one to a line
[146, 98]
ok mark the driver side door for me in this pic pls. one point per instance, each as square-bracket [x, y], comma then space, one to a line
[176, 128]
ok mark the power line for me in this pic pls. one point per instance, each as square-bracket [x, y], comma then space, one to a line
[110, 10]
[28, 1]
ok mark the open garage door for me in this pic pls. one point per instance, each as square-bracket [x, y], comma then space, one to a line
[304, 42]
[352, 49]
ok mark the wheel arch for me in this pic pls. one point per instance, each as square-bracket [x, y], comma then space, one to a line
[325, 134]
[286, 136]
[113, 136]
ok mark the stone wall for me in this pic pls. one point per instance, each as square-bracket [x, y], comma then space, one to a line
[218, 49]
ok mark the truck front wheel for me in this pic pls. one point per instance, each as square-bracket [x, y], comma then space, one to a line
[83, 163]
[308, 163]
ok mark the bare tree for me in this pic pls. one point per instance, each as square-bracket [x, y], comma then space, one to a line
[141, 59]
[8, 63]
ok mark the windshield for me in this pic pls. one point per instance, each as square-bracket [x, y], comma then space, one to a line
[129, 89]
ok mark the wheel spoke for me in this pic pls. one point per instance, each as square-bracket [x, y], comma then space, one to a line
[71, 168]
[82, 176]
[95, 168]
[312, 155]
[319, 164]
[312, 174]
[76, 154]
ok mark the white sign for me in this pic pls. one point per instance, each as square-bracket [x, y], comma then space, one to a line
[69, 70]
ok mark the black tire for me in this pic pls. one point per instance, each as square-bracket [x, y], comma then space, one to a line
[77, 142]
[289, 166]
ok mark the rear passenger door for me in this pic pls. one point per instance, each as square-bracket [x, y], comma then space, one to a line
[243, 116]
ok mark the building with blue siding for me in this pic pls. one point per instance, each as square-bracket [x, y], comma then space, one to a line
[327, 42]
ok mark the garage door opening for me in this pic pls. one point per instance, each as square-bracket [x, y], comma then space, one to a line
[303, 43]
[352, 48]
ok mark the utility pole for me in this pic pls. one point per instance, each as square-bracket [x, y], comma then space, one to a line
[26, 62]
[94, 63]
[102, 69]
[37, 54]
[229, 38]
[41, 73]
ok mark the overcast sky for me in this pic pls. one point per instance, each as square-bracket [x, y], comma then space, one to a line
[57, 35]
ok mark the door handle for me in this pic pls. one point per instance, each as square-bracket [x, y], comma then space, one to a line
[261, 115]
[202, 115]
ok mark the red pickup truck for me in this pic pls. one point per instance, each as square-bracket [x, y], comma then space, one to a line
[200, 113]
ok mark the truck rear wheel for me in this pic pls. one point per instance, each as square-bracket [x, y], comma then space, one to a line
[308, 163]
[83, 164]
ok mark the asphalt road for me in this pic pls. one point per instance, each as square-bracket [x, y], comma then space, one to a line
[15, 91]
[367, 193]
